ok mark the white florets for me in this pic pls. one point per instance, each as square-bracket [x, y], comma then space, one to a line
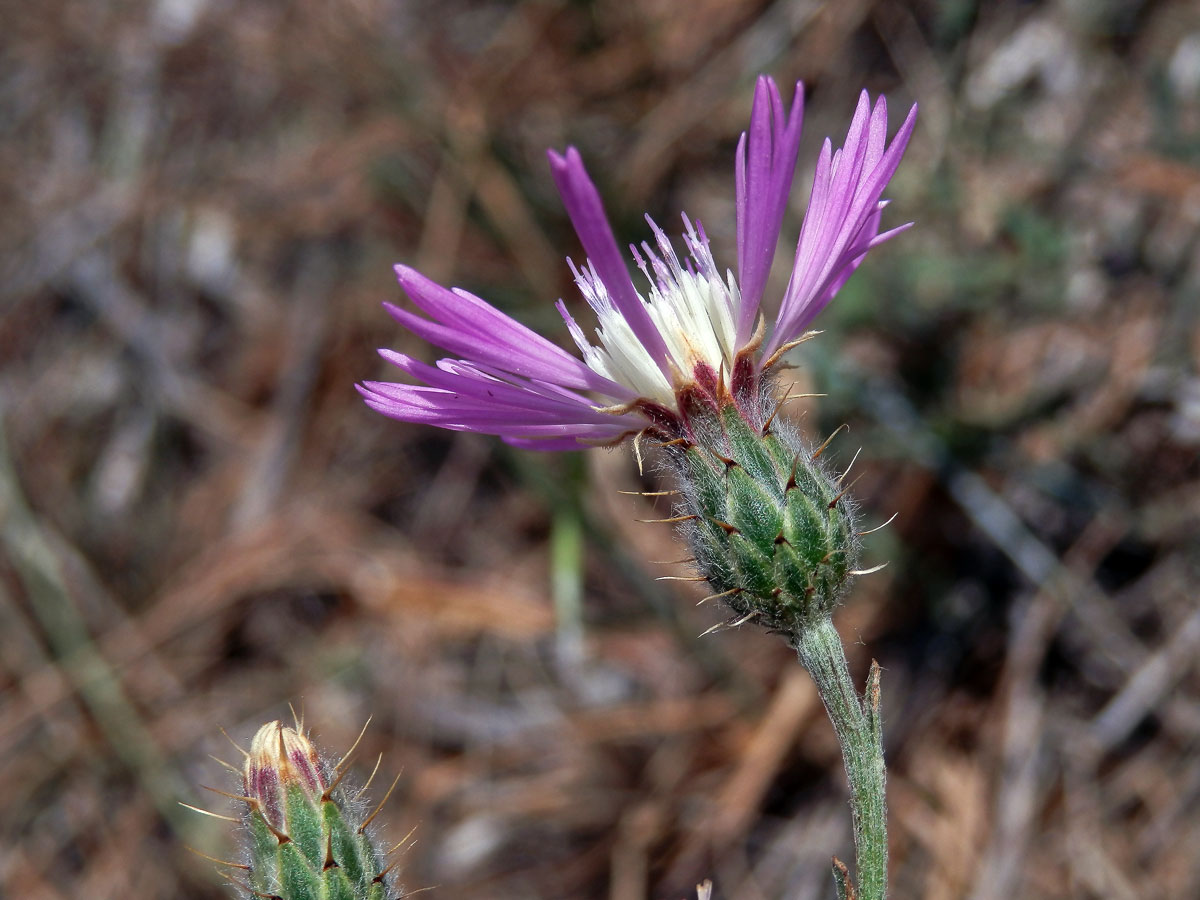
[693, 308]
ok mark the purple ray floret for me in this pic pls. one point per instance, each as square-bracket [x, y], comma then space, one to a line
[762, 187]
[689, 324]
[842, 220]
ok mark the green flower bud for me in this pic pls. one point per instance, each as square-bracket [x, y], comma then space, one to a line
[306, 842]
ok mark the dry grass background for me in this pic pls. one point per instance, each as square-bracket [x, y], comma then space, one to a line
[201, 522]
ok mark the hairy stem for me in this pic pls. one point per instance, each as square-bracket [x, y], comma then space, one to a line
[856, 722]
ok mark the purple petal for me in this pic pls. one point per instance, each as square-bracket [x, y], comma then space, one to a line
[488, 390]
[842, 220]
[762, 186]
[466, 325]
[463, 402]
[511, 381]
[582, 201]
[466, 380]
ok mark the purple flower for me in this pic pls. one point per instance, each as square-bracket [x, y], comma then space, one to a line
[690, 334]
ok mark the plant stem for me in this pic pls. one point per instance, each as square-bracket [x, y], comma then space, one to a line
[856, 721]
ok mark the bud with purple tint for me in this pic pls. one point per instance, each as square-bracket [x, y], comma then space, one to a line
[306, 843]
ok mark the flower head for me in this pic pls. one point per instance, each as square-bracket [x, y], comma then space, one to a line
[691, 339]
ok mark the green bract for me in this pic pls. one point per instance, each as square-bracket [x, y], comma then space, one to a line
[770, 529]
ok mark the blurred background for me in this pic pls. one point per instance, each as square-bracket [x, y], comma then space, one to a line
[202, 523]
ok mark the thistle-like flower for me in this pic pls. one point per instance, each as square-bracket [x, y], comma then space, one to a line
[689, 361]
[692, 335]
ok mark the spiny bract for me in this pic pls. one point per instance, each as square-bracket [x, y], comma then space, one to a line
[770, 529]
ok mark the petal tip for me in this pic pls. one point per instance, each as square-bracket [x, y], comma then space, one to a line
[407, 275]
[566, 162]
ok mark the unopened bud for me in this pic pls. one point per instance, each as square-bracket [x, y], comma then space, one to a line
[282, 760]
[306, 842]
